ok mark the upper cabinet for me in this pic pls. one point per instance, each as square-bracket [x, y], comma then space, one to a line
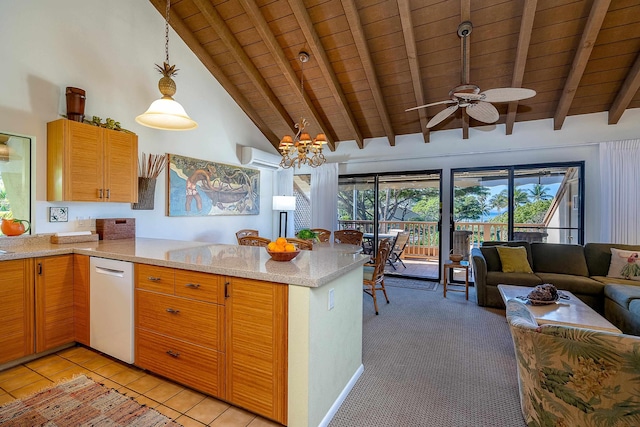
[87, 163]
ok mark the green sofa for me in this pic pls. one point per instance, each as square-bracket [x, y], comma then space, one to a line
[581, 270]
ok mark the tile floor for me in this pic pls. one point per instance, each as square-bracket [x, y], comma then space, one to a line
[186, 406]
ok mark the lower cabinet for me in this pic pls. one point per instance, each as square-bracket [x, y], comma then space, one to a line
[54, 302]
[224, 336]
[16, 309]
[81, 298]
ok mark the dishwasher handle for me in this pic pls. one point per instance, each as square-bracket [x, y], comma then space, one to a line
[109, 271]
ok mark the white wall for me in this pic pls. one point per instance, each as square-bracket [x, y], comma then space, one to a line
[109, 49]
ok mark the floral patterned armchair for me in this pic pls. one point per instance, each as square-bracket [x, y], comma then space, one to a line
[573, 376]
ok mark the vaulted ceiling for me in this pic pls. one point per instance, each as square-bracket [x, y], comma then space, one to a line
[370, 60]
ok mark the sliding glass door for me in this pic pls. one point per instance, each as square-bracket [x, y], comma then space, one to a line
[384, 205]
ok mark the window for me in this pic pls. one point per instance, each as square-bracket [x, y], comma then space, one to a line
[15, 177]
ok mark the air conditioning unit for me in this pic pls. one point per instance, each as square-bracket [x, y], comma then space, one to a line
[260, 159]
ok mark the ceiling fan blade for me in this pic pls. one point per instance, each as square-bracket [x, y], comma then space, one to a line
[483, 112]
[507, 94]
[468, 96]
[448, 101]
[442, 115]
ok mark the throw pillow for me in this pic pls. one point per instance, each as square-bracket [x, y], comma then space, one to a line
[514, 259]
[624, 264]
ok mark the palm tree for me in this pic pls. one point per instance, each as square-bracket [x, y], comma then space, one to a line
[520, 197]
[539, 192]
[500, 201]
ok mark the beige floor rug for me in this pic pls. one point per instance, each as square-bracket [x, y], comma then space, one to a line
[402, 282]
[80, 402]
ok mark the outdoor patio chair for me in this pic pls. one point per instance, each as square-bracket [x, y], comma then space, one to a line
[350, 236]
[401, 241]
[373, 273]
[322, 234]
[305, 245]
[253, 241]
[245, 232]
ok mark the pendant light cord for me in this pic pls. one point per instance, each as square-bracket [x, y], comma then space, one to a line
[166, 32]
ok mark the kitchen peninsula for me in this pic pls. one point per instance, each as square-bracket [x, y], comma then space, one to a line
[321, 356]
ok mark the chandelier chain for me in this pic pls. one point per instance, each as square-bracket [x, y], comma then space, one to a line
[166, 31]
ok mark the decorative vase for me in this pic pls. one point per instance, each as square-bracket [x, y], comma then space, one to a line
[75, 104]
[146, 194]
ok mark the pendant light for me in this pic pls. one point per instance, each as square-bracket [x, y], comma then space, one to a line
[165, 113]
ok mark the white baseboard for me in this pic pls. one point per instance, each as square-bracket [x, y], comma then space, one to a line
[343, 395]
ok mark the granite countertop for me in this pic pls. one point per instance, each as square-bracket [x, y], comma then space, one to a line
[309, 268]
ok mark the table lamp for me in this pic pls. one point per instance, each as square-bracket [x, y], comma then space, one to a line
[284, 204]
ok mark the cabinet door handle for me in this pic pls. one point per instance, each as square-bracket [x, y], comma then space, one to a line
[40, 269]
[173, 311]
[173, 353]
[108, 193]
[192, 285]
[100, 193]
[226, 289]
[154, 279]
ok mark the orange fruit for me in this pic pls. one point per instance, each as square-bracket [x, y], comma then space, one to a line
[289, 247]
[281, 241]
[272, 246]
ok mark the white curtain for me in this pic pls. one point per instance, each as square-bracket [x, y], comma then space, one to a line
[620, 191]
[324, 197]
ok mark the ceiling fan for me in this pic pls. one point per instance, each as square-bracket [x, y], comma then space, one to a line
[477, 104]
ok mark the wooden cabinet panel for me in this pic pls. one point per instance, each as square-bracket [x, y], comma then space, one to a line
[54, 301]
[81, 298]
[88, 163]
[188, 320]
[192, 365]
[154, 278]
[200, 286]
[16, 309]
[256, 352]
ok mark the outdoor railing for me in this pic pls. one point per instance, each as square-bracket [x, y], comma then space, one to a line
[424, 241]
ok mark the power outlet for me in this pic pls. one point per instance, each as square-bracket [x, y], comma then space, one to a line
[331, 299]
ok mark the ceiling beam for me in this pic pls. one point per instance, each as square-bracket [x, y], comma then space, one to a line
[414, 66]
[306, 25]
[283, 63]
[465, 15]
[594, 23]
[357, 32]
[626, 93]
[187, 36]
[217, 23]
[526, 27]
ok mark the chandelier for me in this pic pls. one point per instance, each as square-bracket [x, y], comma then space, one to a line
[301, 149]
[166, 113]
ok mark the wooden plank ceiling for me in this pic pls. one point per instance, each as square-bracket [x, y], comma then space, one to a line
[373, 59]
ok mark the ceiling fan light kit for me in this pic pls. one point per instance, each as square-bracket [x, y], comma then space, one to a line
[478, 105]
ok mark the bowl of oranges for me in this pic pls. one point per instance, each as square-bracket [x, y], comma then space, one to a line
[281, 250]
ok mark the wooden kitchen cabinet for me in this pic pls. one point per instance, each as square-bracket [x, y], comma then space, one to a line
[256, 356]
[81, 300]
[87, 163]
[54, 302]
[16, 309]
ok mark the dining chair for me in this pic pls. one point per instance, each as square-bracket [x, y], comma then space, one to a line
[253, 241]
[373, 272]
[350, 236]
[246, 232]
[305, 245]
[322, 234]
[401, 241]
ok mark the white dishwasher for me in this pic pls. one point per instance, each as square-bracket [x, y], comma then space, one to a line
[111, 307]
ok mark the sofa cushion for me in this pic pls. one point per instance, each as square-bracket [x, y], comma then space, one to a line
[634, 307]
[491, 257]
[496, 278]
[612, 280]
[624, 265]
[574, 284]
[598, 256]
[514, 243]
[622, 294]
[514, 259]
[559, 258]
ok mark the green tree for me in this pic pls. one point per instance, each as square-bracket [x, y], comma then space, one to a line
[530, 213]
[500, 201]
[428, 209]
[467, 208]
[539, 192]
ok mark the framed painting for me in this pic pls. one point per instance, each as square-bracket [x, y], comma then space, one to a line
[203, 188]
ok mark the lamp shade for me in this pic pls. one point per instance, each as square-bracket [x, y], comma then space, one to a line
[284, 203]
[166, 114]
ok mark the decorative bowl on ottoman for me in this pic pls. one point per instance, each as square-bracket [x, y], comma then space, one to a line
[283, 256]
[455, 258]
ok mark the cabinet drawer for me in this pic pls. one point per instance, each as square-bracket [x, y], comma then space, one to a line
[191, 365]
[193, 321]
[154, 278]
[201, 286]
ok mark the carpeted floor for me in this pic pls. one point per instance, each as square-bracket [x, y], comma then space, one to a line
[401, 282]
[431, 361]
[80, 402]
